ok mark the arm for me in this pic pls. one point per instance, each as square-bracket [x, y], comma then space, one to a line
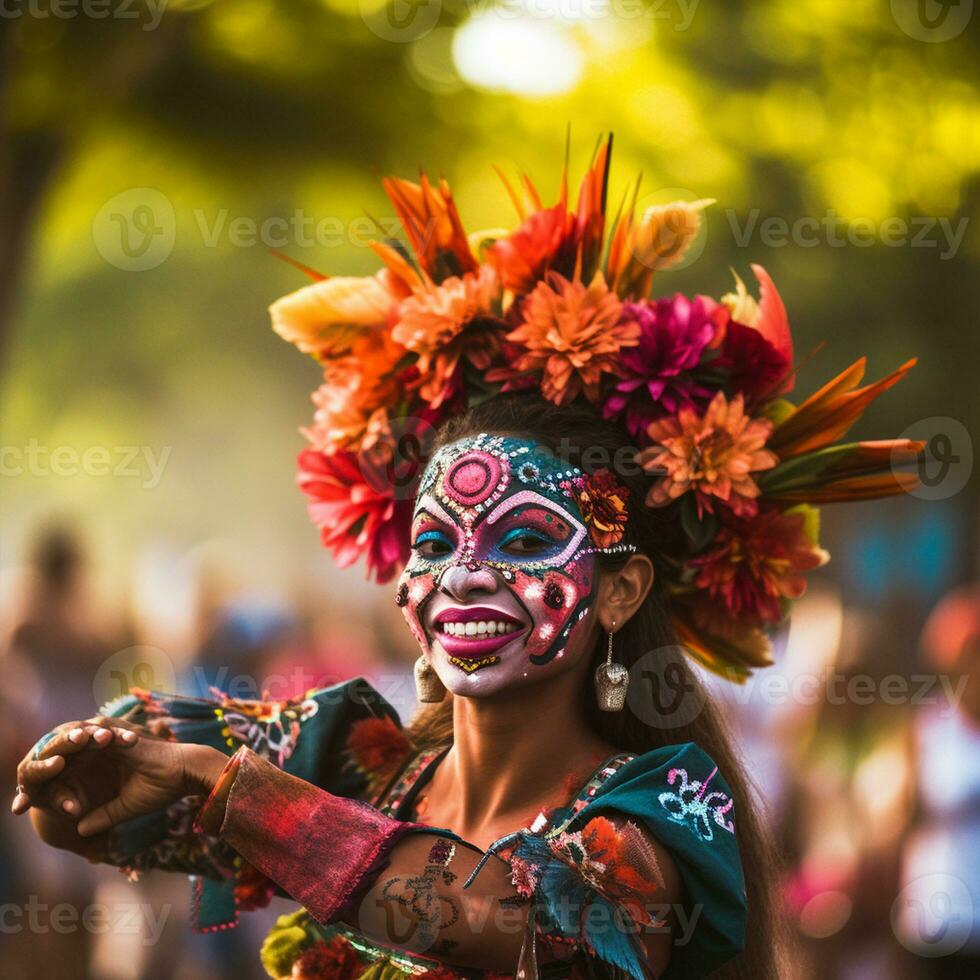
[412, 886]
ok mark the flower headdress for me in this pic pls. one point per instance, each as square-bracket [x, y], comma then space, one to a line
[559, 306]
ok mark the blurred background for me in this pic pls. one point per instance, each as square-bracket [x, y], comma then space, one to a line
[155, 154]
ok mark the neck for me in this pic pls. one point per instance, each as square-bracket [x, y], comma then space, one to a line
[513, 753]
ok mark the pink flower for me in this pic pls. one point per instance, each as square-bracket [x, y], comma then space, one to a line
[355, 512]
[658, 380]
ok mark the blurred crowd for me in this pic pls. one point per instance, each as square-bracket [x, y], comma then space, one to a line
[864, 742]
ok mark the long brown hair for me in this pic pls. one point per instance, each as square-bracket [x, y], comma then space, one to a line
[575, 432]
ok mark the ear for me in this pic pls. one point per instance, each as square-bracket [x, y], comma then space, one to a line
[622, 592]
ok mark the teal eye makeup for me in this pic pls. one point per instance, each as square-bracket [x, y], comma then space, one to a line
[526, 541]
[433, 544]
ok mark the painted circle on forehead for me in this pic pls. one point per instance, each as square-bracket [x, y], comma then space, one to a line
[473, 478]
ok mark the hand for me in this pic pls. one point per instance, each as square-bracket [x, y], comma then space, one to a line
[105, 774]
[57, 793]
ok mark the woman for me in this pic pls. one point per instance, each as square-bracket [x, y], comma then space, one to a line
[573, 808]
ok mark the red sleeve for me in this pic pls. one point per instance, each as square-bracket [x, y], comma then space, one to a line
[321, 849]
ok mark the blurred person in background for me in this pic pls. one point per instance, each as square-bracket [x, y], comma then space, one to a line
[939, 910]
[519, 557]
[56, 637]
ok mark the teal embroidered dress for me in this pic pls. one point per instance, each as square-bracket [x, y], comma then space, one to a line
[582, 868]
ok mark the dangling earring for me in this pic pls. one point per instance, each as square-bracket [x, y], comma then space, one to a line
[611, 681]
[428, 687]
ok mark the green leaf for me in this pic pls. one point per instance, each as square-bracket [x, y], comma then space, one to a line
[801, 471]
[701, 530]
[778, 410]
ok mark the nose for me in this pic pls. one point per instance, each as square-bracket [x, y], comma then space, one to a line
[458, 581]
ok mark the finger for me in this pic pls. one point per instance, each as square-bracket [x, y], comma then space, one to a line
[104, 817]
[105, 721]
[64, 800]
[104, 735]
[35, 774]
[66, 742]
[21, 802]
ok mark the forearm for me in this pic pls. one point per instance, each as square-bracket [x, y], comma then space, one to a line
[400, 884]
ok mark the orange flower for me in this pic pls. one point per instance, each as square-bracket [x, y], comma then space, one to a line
[572, 335]
[714, 455]
[446, 322]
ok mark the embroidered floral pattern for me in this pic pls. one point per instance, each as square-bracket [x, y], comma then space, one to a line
[692, 805]
[268, 728]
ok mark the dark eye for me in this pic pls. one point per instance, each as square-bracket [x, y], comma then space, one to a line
[432, 544]
[524, 542]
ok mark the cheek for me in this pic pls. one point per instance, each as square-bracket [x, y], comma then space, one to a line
[411, 597]
[556, 601]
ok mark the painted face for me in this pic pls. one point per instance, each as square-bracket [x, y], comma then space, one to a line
[503, 569]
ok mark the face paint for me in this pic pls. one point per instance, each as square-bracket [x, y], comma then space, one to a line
[504, 509]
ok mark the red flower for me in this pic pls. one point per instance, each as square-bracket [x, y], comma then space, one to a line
[523, 257]
[333, 960]
[357, 514]
[377, 744]
[253, 890]
[754, 367]
[757, 562]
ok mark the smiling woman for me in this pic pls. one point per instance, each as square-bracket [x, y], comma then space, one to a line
[601, 478]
